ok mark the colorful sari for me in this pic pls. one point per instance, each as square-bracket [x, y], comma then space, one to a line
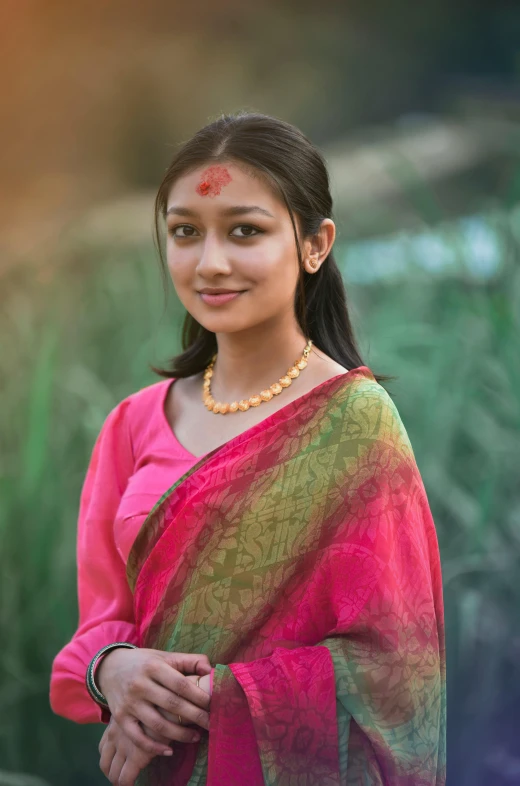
[301, 557]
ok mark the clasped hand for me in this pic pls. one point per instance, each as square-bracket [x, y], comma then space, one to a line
[147, 690]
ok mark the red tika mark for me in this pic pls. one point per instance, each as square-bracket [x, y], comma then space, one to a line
[214, 177]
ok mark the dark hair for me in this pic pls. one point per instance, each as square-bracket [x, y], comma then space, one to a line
[295, 169]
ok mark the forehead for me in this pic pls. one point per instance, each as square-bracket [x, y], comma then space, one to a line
[237, 186]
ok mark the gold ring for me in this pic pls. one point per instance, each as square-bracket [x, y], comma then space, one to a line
[180, 719]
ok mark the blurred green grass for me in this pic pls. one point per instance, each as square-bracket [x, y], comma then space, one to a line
[77, 338]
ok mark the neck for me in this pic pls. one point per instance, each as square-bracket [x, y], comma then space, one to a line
[247, 363]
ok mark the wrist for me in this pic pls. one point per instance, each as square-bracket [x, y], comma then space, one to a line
[94, 672]
[100, 672]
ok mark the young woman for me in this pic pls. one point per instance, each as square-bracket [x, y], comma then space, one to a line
[260, 593]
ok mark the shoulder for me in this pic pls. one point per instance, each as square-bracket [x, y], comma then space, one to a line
[114, 446]
[145, 396]
[368, 412]
[141, 406]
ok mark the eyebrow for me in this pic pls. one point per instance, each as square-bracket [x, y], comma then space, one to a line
[229, 211]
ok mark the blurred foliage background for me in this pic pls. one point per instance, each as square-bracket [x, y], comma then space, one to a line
[417, 110]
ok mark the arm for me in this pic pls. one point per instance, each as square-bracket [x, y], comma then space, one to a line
[104, 597]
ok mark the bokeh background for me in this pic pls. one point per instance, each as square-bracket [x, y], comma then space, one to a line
[416, 107]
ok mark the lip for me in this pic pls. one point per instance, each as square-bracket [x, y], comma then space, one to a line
[218, 300]
[217, 291]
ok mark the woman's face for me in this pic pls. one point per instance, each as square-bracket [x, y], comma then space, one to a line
[227, 229]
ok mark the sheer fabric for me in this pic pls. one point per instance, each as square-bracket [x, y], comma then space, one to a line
[302, 558]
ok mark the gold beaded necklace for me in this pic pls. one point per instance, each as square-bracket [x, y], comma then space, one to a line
[253, 401]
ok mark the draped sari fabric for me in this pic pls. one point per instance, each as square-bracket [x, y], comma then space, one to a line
[301, 557]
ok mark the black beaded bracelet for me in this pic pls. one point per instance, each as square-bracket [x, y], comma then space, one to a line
[92, 688]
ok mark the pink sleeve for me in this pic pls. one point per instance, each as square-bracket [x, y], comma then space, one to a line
[104, 597]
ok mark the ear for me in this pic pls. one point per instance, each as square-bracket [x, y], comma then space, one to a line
[317, 247]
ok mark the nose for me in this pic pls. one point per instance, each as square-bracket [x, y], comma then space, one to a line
[213, 257]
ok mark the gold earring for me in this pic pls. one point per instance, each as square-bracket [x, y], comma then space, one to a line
[313, 262]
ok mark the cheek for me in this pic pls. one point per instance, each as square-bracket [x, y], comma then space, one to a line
[272, 260]
[181, 265]
[278, 269]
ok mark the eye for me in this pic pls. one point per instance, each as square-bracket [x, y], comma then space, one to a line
[251, 231]
[248, 226]
[172, 230]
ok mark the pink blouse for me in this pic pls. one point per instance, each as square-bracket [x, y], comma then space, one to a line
[135, 459]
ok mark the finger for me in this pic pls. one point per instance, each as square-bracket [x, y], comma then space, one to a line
[200, 668]
[116, 767]
[189, 663]
[175, 682]
[177, 705]
[104, 738]
[135, 734]
[105, 762]
[157, 737]
[159, 725]
[132, 767]
[175, 719]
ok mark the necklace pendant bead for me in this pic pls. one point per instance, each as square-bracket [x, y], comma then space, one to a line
[216, 407]
[233, 406]
[276, 388]
[301, 364]
[243, 405]
[285, 381]
[224, 409]
[293, 372]
[255, 400]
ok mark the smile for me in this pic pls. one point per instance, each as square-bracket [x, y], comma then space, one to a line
[219, 300]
